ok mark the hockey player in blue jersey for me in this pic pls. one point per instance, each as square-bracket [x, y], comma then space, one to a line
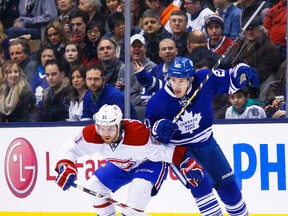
[193, 129]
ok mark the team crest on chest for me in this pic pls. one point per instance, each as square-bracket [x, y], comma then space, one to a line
[189, 122]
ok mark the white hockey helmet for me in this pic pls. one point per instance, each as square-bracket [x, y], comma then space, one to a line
[109, 115]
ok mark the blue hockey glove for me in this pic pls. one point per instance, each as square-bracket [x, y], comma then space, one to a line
[192, 171]
[67, 173]
[164, 129]
[243, 74]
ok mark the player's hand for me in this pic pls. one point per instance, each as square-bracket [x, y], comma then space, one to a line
[67, 173]
[164, 129]
[243, 74]
[192, 171]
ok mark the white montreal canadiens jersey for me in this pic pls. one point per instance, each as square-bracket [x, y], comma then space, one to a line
[135, 148]
[195, 123]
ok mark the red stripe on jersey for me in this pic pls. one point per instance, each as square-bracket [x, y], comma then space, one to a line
[161, 176]
[136, 133]
[90, 135]
[102, 205]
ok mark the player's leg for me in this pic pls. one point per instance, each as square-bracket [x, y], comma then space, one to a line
[106, 179]
[139, 195]
[231, 196]
[206, 201]
[221, 174]
[101, 206]
[147, 180]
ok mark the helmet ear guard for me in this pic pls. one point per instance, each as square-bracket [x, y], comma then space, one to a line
[109, 115]
[181, 68]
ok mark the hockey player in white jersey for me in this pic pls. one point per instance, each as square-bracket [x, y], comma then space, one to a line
[133, 156]
[193, 129]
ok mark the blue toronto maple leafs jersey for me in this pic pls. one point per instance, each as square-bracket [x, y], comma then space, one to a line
[195, 123]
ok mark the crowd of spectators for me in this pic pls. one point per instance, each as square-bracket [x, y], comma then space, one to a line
[61, 60]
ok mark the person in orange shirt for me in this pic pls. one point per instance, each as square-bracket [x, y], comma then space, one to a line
[275, 23]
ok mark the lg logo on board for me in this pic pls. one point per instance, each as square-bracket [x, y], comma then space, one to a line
[21, 167]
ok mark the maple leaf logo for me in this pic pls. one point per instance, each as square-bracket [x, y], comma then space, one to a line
[189, 122]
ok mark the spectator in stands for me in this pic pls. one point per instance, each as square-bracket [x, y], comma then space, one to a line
[168, 52]
[4, 41]
[111, 5]
[163, 9]
[77, 93]
[154, 32]
[197, 11]
[16, 98]
[250, 6]
[275, 24]
[178, 24]
[55, 97]
[92, 7]
[276, 107]
[231, 16]
[78, 21]
[217, 42]
[2, 56]
[94, 33]
[73, 56]
[116, 23]
[138, 53]
[100, 93]
[55, 36]
[200, 54]
[8, 12]
[256, 50]
[33, 16]
[39, 81]
[19, 50]
[108, 60]
[65, 7]
[244, 107]
[137, 8]
[202, 57]
[278, 86]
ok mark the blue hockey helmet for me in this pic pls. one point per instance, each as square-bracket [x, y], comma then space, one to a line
[181, 68]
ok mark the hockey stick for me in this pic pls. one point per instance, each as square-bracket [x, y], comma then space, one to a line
[108, 199]
[172, 166]
[218, 63]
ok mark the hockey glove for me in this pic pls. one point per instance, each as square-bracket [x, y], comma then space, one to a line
[243, 74]
[67, 173]
[164, 129]
[192, 171]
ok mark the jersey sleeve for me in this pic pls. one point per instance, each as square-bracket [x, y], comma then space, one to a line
[169, 153]
[87, 142]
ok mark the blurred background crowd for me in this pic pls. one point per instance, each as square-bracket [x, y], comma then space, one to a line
[62, 60]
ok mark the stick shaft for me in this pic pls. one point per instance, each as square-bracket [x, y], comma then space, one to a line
[108, 199]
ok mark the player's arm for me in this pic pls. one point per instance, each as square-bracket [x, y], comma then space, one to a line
[242, 75]
[192, 171]
[146, 80]
[73, 149]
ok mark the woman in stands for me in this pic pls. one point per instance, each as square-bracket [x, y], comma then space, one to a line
[16, 97]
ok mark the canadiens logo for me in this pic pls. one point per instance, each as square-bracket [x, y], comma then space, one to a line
[21, 167]
[123, 164]
[189, 122]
